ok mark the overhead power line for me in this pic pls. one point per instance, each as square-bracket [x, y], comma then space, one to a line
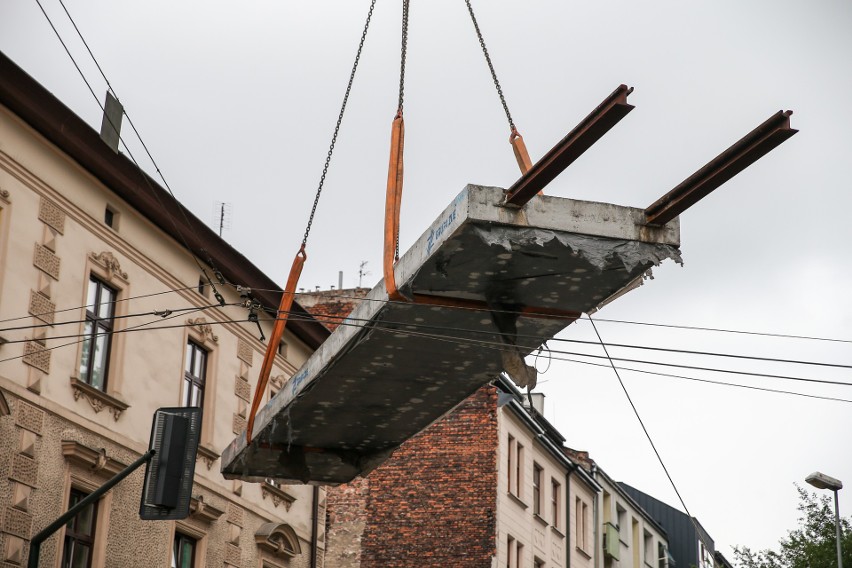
[115, 127]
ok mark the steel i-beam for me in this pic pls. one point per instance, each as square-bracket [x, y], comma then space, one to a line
[726, 165]
[580, 139]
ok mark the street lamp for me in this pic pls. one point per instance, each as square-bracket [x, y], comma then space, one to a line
[823, 481]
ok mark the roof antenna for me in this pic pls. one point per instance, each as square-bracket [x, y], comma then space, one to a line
[222, 215]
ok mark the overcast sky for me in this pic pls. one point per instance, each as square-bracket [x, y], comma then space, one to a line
[237, 102]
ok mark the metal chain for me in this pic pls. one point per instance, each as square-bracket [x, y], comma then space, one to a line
[403, 53]
[339, 121]
[490, 66]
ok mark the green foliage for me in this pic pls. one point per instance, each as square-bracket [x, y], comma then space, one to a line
[812, 545]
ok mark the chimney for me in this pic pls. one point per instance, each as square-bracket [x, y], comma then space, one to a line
[111, 123]
[538, 402]
[340, 280]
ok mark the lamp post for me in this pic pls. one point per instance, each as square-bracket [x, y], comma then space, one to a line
[823, 481]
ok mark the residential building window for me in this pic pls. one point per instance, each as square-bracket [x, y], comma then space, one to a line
[183, 551]
[519, 472]
[97, 333]
[282, 349]
[556, 502]
[202, 287]
[581, 524]
[511, 554]
[110, 217]
[538, 563]
[79, 534]
[662, 556]
[537, 473]
[622, 523]
[519, 552]
[648, 541]
[195, 372]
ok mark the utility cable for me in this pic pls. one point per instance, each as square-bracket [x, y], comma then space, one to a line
[599, 320]
[142, 173]
[113, 302]
[500, 346]
[340, 320]
[645, 429]
[126, 330]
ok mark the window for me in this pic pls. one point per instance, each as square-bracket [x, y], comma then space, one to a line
[79, 534]
[514, 553]
[282, 349]
[194, 374]
[110, 217]
[537, 472]
[183, 551]
[648, 541]
[622, 523]
[520, 555]
[97, 334]
[581, 524]
[202, 287]
[538, 563]
[662, 556]
[519, 472]
[556, 502]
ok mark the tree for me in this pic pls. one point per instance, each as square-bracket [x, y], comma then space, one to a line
[812, 545]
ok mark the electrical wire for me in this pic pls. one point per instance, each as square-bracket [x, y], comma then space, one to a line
[134, 328]
[63, 310]
[581, 317]
[159, 313]
[115, 127]
[408, 325]
[645, 429]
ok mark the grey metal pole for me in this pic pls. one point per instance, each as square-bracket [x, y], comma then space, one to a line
[839, 535]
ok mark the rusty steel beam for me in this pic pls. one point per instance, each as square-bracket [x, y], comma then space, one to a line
[580, 139]
[726, 165]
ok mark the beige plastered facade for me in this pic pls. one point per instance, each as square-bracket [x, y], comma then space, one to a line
[641, 542]
[56, 433]
[548, 534]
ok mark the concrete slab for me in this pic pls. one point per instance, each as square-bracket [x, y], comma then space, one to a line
[393, 368]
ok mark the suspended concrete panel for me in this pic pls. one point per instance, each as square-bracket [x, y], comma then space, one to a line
[489, 285]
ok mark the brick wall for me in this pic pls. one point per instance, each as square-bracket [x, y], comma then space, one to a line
[432, 504]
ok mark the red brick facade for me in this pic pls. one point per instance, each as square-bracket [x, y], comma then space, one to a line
[431, 505]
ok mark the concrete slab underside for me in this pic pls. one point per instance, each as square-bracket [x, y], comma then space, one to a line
[393, 368]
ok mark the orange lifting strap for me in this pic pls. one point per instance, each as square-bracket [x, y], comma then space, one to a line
[277, 332]
[520, 150]
[393, 202]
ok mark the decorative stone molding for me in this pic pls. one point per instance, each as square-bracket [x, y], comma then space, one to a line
[97, 398]
[204, 328]
[208, 455]
[29, 417]
[24, 470]
[110, 263]
[201, 509]
[277, 383]
[278, 539]
[41, 307]
[50, 214]
[45, 260]
[95, 461]
[245, 352]
[36, 355]
[18, 523]
[242, 389]
[4, 194]
[277, 494]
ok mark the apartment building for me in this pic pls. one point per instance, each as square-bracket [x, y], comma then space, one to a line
[105, 316]
[628, 535]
